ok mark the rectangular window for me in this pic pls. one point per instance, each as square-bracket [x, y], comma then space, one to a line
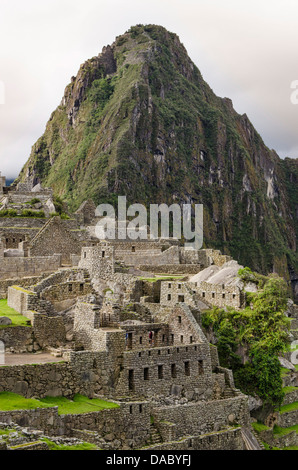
[160, 372]
[169, 296]
[179, 319]
[131, 379]
[103, 253]
[81, 287]
[181, 339]
[187, 368]
[141, 339]
[180, 298]
[146, 373]
[201, 368]
[169, 286]
[173, 371]
[190, 339]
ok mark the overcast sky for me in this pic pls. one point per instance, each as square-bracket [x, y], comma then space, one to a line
[246, 51]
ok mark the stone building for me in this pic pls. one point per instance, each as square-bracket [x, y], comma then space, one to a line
[123, 334]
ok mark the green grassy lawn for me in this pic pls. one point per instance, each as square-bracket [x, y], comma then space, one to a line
[278, 431]
[289, 389]
[11, 401]
[16, 318]
[289, 407]
[259, 427]
[83, 446]
[80, 404]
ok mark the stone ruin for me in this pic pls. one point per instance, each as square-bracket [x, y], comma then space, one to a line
[124, 319]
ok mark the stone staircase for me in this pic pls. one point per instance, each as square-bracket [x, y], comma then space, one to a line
[155, 437]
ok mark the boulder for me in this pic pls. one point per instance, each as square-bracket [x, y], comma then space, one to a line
[4, 321]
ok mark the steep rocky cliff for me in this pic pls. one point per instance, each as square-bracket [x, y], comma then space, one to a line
[139, 120]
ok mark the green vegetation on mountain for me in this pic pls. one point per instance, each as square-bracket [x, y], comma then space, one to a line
[250, 340]
[139, 120]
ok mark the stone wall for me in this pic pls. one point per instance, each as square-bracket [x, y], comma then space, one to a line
[24, 267]
[230, 439]
[219, 295]
[99, 262]
[183, 371]
[173, 292]
[148, 257]
[205, 417]
[171, 268]
[24, 300]
[17, 338]
[55, 237]
[21, 282]
[125, 427]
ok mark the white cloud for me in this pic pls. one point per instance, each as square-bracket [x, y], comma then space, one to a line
[245, 50]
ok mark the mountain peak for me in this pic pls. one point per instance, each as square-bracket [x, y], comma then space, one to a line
[139, 120]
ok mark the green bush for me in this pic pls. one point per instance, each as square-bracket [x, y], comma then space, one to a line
[262, 331]
[30, 213]
[9, 213]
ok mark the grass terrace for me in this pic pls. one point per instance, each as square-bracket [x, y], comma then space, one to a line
[16, 318]
[79, 405]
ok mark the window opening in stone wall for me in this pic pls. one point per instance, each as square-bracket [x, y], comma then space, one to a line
[103, 253]
[179, 319]
[190, 339]
[169, 296]
[146, 373]
[129, 340]
[187, 368]
[180, 298]
[81, 287]
[169, 286]
[141, 339]
[173, 371]
[69, 287]
[201, 368]
[141, 408]
[181, 339]
[160, 372]
[131, 379]
[133, 249]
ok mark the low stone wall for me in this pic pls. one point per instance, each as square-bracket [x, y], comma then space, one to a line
[24, 267]
[21, 282]
[288, 419]
[288, 440]
[230, 439]
[17, 338]
[80, 375]
[171, 268]
[125, 427]
[219, 295]
[290, 397]
[204, 417]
